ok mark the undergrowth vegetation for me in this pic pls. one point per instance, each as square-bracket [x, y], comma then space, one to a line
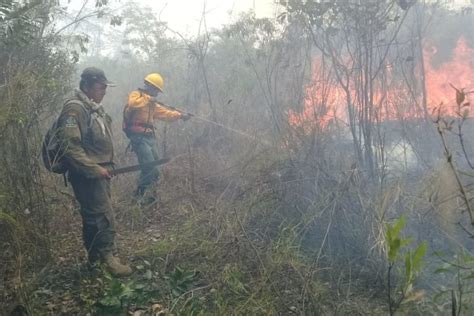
[265, 208]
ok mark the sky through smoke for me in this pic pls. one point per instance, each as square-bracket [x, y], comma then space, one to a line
[184, 16]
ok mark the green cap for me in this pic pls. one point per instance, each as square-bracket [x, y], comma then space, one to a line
[96, 75]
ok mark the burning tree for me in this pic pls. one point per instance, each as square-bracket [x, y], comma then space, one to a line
[374, 64]
[355, 38]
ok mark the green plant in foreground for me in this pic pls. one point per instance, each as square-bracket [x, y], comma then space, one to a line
[181, 283]
[120, 294]
[412, 261]
[460, 275]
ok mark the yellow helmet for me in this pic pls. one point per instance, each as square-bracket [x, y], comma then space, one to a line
[155, 80]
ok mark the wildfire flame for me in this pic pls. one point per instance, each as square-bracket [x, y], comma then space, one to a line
[458, 72]
[326, 100]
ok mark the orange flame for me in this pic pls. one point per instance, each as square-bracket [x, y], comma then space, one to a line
[325, 101]
[459, 72]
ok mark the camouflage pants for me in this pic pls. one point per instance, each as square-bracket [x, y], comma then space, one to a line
[94, 198]
[146, 150]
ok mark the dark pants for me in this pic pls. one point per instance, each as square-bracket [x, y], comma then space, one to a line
[146, 150]
[94, 198]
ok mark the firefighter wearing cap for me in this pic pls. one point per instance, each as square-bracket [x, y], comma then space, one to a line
[86, 129]
[139, 115]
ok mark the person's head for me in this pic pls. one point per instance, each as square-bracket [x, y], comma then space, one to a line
[153, 84]
[94, 83]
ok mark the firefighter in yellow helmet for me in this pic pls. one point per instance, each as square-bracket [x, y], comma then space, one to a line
[139, 115]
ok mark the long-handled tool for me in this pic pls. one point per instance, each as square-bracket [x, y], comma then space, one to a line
[133, 168]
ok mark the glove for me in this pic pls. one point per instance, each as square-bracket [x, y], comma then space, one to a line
[185, 116]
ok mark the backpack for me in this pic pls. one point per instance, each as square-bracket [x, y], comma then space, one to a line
[128, 117]
[127, 121]
[52, 150]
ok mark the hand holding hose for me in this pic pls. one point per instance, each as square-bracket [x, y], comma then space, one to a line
[184, 115]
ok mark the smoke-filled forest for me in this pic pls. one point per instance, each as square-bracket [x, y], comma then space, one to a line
[317, 161]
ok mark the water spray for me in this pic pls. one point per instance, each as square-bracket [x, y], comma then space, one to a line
[236, 131]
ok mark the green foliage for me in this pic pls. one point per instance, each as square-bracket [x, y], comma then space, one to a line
[458, 285]
[180, 281]
[12, 21]
[394, 241]
[5, 217]
[23, 21]
[287, 246]
[233, 277]
[246, 241]
[412, 261]
[144, 33]
[119, 294]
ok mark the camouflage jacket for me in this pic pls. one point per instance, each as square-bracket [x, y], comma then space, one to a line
[86, 131]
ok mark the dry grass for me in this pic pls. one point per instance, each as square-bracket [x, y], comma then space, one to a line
[266, 233]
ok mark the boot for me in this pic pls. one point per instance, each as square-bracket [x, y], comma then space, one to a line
[114, 266]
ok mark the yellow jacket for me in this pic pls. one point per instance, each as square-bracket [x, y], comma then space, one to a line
[141, 112]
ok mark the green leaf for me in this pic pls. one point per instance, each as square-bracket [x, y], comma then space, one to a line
[405, 242]
[189, 276]
[9, 220]
[110, 301]
[468, 259]
[419, 254]
[399, 225]
[116, 287]
[408, 266]
[442, 270]
[139, 286]
[127, 288]
[394, 246]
